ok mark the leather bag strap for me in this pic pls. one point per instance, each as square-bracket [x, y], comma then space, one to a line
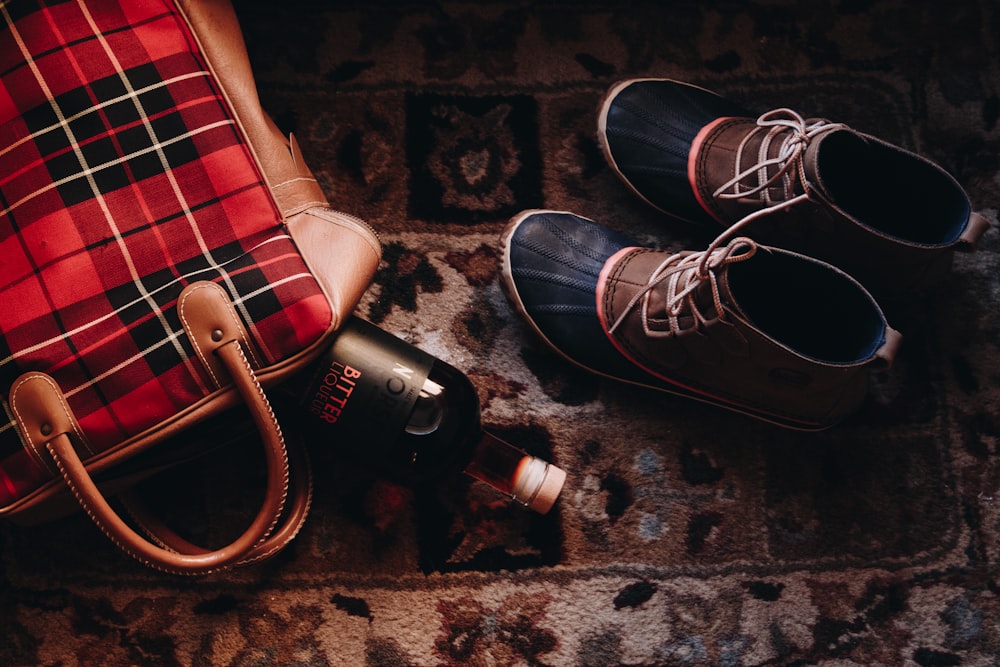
[296, 512]
[47, 422]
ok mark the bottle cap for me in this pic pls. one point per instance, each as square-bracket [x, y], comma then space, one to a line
[537, 484]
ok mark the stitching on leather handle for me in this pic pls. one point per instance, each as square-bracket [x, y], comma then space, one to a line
[286, 479]
[30, 445]
[226, 310]
[190, 331]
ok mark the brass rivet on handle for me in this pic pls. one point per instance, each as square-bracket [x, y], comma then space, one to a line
[217, 335]
[46, 429]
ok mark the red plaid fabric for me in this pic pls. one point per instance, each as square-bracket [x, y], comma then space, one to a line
[123, 178]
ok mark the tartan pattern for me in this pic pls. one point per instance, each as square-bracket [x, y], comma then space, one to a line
[123, 178]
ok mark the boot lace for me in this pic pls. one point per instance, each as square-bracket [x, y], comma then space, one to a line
[792, 134]
[683, 274]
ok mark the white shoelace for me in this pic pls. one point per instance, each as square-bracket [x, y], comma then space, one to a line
[683, 274]
[795, 133]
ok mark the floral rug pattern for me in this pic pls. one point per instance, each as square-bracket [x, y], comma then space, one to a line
[684, 535]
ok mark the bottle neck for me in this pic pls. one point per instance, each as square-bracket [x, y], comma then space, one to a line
[528, 480]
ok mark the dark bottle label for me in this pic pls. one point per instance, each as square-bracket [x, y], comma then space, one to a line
[366, 386]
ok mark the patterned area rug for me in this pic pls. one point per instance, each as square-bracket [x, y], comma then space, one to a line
[685, 535]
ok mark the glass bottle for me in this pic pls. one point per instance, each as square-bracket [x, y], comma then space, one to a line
[413, 417]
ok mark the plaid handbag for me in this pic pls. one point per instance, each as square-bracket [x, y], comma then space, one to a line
[165, 255]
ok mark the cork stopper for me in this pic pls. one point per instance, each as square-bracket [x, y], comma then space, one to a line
[537, 484]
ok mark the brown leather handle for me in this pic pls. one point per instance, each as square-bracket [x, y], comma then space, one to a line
[248, 546]
[221, 343]
[297, 509]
